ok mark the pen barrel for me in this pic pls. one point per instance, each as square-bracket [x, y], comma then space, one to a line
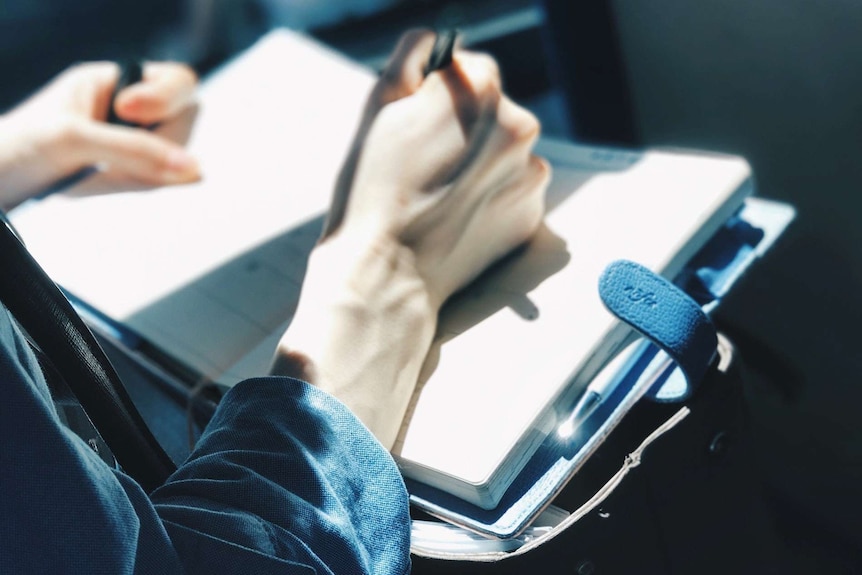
[580, 412]
[585, 406]
[131, 72]
[441, 53]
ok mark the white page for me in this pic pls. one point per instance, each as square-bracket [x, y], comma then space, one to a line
[270, 133]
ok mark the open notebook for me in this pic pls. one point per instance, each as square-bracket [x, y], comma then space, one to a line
[209, 274]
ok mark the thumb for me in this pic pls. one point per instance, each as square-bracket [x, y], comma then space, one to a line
[405, 70]
[401, 77]
[133, 153]
[166, 89]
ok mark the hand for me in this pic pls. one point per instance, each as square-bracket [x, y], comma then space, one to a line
[62, 129]
[442, 183]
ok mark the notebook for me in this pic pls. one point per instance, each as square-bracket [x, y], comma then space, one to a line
[207, 275]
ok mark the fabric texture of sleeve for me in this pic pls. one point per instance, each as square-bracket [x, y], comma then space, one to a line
[302, 469]
[284, 480]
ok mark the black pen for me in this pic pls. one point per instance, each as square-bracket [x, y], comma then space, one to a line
[441, 53]
[131, 72]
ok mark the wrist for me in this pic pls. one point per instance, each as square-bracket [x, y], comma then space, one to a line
[30, 156]
[13, 187]
[362, 329]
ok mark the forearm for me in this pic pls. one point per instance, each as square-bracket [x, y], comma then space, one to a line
[362, 330]
[283, 478]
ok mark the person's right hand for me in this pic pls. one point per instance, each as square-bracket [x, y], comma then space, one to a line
[446, 170]
[444, 183]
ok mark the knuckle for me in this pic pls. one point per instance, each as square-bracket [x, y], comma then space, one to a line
[538, 180]
[530, 127]
[490, 65]
[543, 171]
[521, 125]
[483, 73]
[534, 210]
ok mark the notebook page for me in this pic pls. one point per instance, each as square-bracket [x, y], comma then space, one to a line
[210, 269]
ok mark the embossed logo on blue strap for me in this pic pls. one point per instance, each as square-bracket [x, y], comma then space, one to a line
[665, 314]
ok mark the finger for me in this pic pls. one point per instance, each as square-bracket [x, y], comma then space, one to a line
[532, 180]
[520, 206]
[521, 127]
[91, 85]
[133, 153]
[508, 182]
[166, 89]
[473, 81]
[508, 146]
[500, 133]
[512, 134]
[401, 77]
[478, 70]
[404, 72]
[467, 95]
[509, 218]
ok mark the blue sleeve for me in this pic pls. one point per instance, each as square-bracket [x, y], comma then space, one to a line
[284, 480]
[283, 466]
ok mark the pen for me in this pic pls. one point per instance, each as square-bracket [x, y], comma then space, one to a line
[587, 403]
[131, 72]
[600, 389]
[441, 53]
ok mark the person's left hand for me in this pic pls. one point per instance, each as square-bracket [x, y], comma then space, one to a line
[62, 129]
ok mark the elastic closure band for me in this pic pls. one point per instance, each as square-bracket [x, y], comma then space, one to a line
[666, 315]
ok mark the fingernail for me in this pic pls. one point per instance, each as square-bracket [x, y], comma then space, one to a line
[181, 161]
